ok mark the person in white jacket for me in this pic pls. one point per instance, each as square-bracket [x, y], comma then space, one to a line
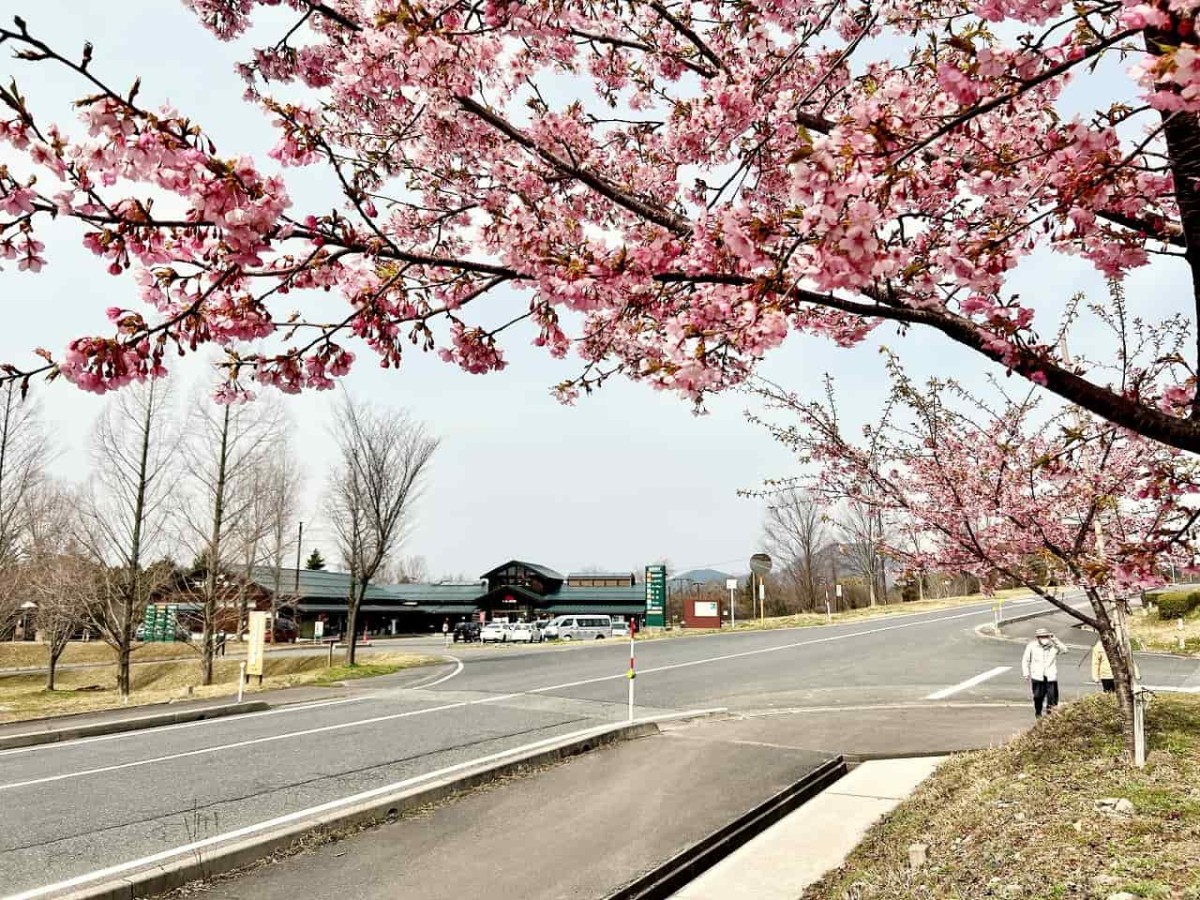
[1039, 665]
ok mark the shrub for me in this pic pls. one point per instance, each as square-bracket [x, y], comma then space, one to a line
[1175, 604]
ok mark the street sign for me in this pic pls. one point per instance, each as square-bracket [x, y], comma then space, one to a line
[760, 564]
[656, 596]
[258, 639]
[731, 584]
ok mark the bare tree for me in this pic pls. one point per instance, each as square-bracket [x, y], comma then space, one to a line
[65, 586]
[410, 570]
[372, 492]
[226, 449]
[125, 511]
[795, 532]
[864, 530]
[24, 451]
[283, 481]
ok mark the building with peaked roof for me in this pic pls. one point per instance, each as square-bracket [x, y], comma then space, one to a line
[515, 589]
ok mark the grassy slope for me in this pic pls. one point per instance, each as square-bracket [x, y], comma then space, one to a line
[24, 697]
[1020, 820]
[1152, 633]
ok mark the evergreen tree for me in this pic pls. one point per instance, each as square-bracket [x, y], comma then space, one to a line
[315, 561]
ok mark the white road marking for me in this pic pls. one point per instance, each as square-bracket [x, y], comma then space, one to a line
[458, 668]
[494, 699]
[744, 653]
[299, 815]
[969, 683]
[160, 729]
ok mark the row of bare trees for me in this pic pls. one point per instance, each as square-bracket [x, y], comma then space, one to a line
[218, 485]
[816, 547]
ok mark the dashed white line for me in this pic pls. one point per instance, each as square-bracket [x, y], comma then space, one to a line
[969, 683]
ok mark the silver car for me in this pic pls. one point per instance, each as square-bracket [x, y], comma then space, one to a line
[580, 628]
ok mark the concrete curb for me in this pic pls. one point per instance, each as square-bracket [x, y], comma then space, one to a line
[117, 726]
[377, 810]
[988, 630]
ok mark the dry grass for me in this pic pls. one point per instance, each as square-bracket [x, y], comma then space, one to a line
[1021, 820]
[30, 655]
[86, 690]
[810, 620]
[1153, 633]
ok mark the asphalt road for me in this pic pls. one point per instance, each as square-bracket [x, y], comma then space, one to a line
[70, 810]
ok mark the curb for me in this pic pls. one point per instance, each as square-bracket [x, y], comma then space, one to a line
[34, 738]
[377, 810]
[665, 880]
[990, 631]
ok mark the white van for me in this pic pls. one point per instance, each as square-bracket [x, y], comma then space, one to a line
[579, 628]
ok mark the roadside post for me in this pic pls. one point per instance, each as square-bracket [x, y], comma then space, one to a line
[1179, 628]
[760, 565]
[241, 679]
[632, 667]
[828, 613]
[838, 594]
[731, 584]
[255, 650]
[329, 665]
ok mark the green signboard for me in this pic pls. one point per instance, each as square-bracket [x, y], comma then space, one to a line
[656, 596]
[160, 623]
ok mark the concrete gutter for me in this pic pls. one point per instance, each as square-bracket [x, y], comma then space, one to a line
[665, 880]
[220, 858]
[136, 723]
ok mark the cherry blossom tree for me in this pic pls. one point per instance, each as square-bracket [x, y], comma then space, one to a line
[673, 186]
[1011, 492]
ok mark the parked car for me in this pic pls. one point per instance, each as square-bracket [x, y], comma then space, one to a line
[467, 632]
[494, 632]
[620, 629]
[286, 631]
[580, 628]
[525, 632]
[181, 632]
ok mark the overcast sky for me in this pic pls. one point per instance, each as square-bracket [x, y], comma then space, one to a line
[625, 477]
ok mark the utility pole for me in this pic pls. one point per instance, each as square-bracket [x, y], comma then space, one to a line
[299, 543]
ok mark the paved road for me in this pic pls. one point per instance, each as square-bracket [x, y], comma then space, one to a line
[72, 809]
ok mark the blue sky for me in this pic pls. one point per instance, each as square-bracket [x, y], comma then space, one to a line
[625, 477]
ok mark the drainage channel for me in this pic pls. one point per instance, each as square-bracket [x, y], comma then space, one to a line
[689, 864]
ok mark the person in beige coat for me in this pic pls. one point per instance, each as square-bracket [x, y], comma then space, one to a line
[1102, 672]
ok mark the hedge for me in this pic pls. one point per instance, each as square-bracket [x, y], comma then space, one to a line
[1175, 604]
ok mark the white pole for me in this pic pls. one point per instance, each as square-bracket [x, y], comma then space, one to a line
[632, 673]
[241, 679]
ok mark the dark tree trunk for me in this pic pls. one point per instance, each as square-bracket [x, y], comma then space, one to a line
[123, 654]
[1122, 670]
[52, 669]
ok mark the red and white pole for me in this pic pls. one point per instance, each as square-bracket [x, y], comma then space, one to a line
[632, 667]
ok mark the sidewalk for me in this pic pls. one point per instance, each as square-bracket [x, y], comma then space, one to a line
[592, 825]
[786, 858]
[582, 828]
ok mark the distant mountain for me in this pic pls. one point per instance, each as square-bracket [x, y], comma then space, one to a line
[702, 576]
